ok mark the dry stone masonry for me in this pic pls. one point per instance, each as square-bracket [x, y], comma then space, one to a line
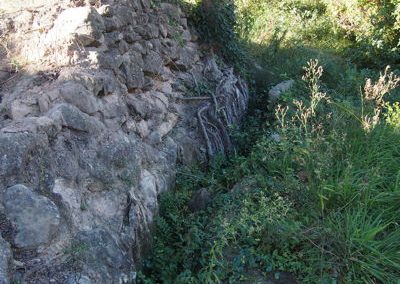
[100, 101]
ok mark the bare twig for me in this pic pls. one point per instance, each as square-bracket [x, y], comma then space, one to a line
[194, 98]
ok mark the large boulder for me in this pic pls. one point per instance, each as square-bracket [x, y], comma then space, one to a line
[16, 150]
[35, 217]
[101, 257]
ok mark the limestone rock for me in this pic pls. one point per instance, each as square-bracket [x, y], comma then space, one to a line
[148, 189]
[16, 150]
[43, 125]
[276, 91]
[80, 97]
[77, 26]
[211, 70]
[21, 108]
[72, 118]
[5, 261]
[147, 105]
[153, 63]
[132, 70]
[101, 255]
[187, 58]
[35, 217]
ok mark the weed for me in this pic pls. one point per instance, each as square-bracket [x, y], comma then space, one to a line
[375, 93]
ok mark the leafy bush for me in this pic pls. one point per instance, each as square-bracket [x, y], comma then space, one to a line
[372, 27]
[393, 115]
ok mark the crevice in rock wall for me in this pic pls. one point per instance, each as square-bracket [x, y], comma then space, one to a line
[100, 102]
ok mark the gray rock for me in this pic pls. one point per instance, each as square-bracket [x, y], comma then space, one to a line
[112, 24]
[125, 15]
[170, 50]
[132, 70]
[246, 184]
[200, 200]
[16, 150]
[139, 48]
[211, 69]
[152, 31]
[156, 43]
[276, 91]
[154, 138]
[100, 256]
[79, 96]
[153, 63]
[148, 190]
[5, 261]
[147, 105]
[21, 108]
[110, 60]
[123, 46]
[79, 279]
[99, 83]
[132, 37]
[118, 153]
[72, 118]
[35, 217]
[42, 125]
[187, 58]
[114, 107]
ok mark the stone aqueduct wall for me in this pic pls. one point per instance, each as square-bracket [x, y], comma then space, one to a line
[106, 103]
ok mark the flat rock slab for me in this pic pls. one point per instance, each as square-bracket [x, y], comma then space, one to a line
[35, 217]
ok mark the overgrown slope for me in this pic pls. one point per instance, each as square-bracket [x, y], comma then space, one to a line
[312, 193]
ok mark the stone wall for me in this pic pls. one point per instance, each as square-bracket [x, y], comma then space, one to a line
[100, 102]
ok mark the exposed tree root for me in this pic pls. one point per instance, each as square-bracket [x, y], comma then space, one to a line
[226, 105]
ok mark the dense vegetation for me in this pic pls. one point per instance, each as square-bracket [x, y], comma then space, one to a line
[313, 189]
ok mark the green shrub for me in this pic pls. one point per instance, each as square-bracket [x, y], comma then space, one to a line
[393, 115]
